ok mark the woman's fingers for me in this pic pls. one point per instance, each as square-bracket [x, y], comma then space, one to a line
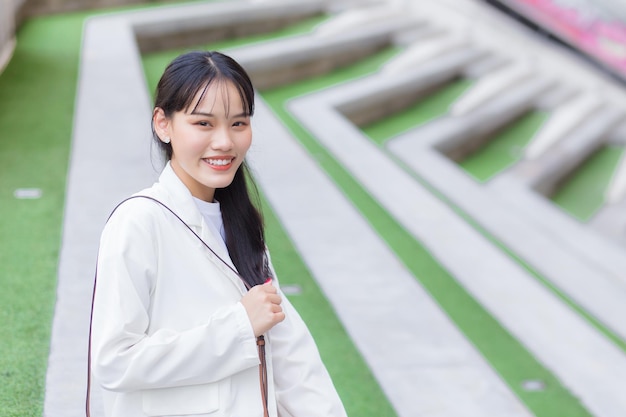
[262, 304]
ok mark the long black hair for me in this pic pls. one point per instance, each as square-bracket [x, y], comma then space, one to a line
[181, 81]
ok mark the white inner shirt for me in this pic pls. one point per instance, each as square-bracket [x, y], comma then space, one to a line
[212, 214]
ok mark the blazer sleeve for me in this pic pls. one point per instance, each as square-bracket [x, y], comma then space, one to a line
[124, 356]
[302, 383]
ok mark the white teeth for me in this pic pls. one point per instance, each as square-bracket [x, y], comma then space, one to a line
[219, 162]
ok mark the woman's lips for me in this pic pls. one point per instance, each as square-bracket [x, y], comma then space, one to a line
[221, 163]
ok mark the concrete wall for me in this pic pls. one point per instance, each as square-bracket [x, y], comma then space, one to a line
[8, 13]
[14, 12]
[38, 7]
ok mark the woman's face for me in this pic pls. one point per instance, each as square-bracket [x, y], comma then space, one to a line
[209, 143]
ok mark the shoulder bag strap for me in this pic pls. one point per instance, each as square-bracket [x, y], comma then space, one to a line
[260, 341]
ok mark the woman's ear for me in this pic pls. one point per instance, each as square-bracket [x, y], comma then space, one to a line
[161, 124]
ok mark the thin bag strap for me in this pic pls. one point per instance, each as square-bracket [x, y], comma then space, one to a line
[260, 341]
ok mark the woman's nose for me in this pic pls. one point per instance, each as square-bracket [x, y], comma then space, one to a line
[221, 140]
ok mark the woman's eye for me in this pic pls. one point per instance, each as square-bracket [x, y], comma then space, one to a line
[239, 124]
[202, 123]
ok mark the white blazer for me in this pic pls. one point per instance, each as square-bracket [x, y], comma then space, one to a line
[170, 336]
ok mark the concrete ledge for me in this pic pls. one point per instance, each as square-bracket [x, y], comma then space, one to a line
[293, 59]
[585, 243]
[31, 8]
[6, 52]
[546, 172]
[565, 119]
[489, 86]
[473, 130]
[611, 221]
[194, 24]
[394, 92]
[8, 12]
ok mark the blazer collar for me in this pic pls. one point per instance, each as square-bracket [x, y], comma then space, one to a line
[180, 197]
[180, 200]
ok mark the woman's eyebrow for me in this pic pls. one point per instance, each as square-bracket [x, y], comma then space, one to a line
[199, 113]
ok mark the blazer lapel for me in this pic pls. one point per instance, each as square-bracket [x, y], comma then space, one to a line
[182, 203]
[219, 256]
[208, 235]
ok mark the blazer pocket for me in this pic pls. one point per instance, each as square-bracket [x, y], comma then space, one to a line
[180, 401]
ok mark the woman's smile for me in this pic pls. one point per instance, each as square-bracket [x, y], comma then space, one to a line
[220, 163]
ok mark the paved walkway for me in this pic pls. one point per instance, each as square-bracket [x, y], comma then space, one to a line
[111, 158]
[409, 343]
[554, 333]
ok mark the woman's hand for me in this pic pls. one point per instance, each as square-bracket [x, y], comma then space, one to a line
[262, 303]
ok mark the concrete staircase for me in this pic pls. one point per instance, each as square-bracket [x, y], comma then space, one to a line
[409, 342]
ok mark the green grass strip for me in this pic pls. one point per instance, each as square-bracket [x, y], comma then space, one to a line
[504, 149]
[583, 194]
[37, 92]
[508, 357]
[356, 385]
[434, 105]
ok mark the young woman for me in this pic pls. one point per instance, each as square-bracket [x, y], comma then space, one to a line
[180, 314]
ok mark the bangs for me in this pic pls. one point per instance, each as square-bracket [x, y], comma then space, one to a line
[219, 81]
[185, 81]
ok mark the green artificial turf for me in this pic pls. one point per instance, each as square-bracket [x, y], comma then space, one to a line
[504, 149]
[36, 108]
[36, 105]
[434, 105]
[583, 194]
[509, 358]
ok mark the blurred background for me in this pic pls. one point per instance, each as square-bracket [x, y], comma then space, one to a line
[443, 184]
